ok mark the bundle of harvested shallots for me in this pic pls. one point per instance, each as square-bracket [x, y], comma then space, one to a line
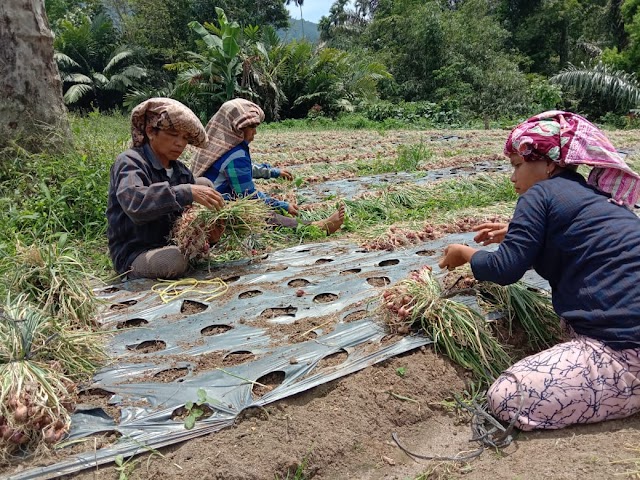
[199, 228]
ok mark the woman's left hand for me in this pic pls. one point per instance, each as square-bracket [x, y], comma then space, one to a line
[456, 255]
[286, 174]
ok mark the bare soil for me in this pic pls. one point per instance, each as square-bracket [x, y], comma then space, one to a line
[342, 430]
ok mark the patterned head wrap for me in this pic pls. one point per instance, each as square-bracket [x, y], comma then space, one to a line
[569, 139]
[165, 114]
[225, 131]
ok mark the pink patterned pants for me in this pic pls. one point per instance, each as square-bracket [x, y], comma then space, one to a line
[580, 381]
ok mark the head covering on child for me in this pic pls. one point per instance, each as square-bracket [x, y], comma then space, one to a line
[569, 139]
[225, 131]
[166, 114]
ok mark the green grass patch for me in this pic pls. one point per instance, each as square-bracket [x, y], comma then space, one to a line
[408, 159]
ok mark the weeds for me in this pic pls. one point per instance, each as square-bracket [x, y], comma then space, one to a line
[196, 410]
[298, 474]
[407, 160]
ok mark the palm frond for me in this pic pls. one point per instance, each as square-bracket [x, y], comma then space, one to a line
[65, 61]
[76, 78]
[100, 79]
[620, 87]
[134, 72]
[118, 57]
[76, 92]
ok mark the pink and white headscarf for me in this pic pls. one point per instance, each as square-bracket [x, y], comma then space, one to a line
[569, 139]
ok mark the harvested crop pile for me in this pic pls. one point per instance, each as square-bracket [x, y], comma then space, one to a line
[463, 333]
[199, 228]
[41, 359]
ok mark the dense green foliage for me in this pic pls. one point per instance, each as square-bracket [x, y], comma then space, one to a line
[482, 59]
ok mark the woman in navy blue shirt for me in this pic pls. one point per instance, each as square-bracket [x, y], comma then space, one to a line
[582, 237]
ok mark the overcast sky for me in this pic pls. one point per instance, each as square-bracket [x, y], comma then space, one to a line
[312, 10]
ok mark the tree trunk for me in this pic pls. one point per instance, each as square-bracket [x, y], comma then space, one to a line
[32, 112]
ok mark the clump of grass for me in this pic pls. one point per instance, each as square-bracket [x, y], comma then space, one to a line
[237, 221]
[458, 331]
[39, 361]
[408, 159]
[51, 276]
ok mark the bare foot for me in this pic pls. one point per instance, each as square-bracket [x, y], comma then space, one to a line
[334, 222]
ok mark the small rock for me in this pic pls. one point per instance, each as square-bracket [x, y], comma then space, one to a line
[389, 460]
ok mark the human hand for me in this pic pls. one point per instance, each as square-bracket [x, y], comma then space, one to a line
[207, 196]
[293, 209]
[456, 255]
[490, 233]
[286, 174]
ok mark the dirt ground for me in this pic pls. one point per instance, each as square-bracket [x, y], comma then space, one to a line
[342, 430]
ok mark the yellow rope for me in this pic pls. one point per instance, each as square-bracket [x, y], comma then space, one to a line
[172, 289]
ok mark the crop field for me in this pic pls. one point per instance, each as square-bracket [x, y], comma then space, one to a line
[407, 193]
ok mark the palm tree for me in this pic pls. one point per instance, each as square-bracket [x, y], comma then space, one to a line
[117, 76]
[90, 67]
[617, 87]
[298, 3]
[265, 61]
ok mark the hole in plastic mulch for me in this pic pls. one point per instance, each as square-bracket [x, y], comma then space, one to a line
[189, 307]
[268, 382]
[215, 330]
[378, 281]
[148, 346]
[386, 263]
[325, 298]
[132, 323]
[250, 294]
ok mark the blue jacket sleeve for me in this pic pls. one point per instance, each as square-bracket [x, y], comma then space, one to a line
[264, 170]
[239, 173]
[520, 247]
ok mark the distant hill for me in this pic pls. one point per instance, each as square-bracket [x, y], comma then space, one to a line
[295, 31]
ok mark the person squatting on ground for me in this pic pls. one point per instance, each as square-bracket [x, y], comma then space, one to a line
[582, 237]
[149, 189]
[226, 161]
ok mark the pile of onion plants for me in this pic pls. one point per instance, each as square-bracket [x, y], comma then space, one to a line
[199, 229]
[41, 362]
[524, 307]
[457, 330]
[52, 277]
[463, 333]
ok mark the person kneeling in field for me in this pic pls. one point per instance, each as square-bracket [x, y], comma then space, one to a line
[149, 189]
[226, 161]
[581, 236]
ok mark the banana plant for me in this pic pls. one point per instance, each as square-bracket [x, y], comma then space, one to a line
[212, 71]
